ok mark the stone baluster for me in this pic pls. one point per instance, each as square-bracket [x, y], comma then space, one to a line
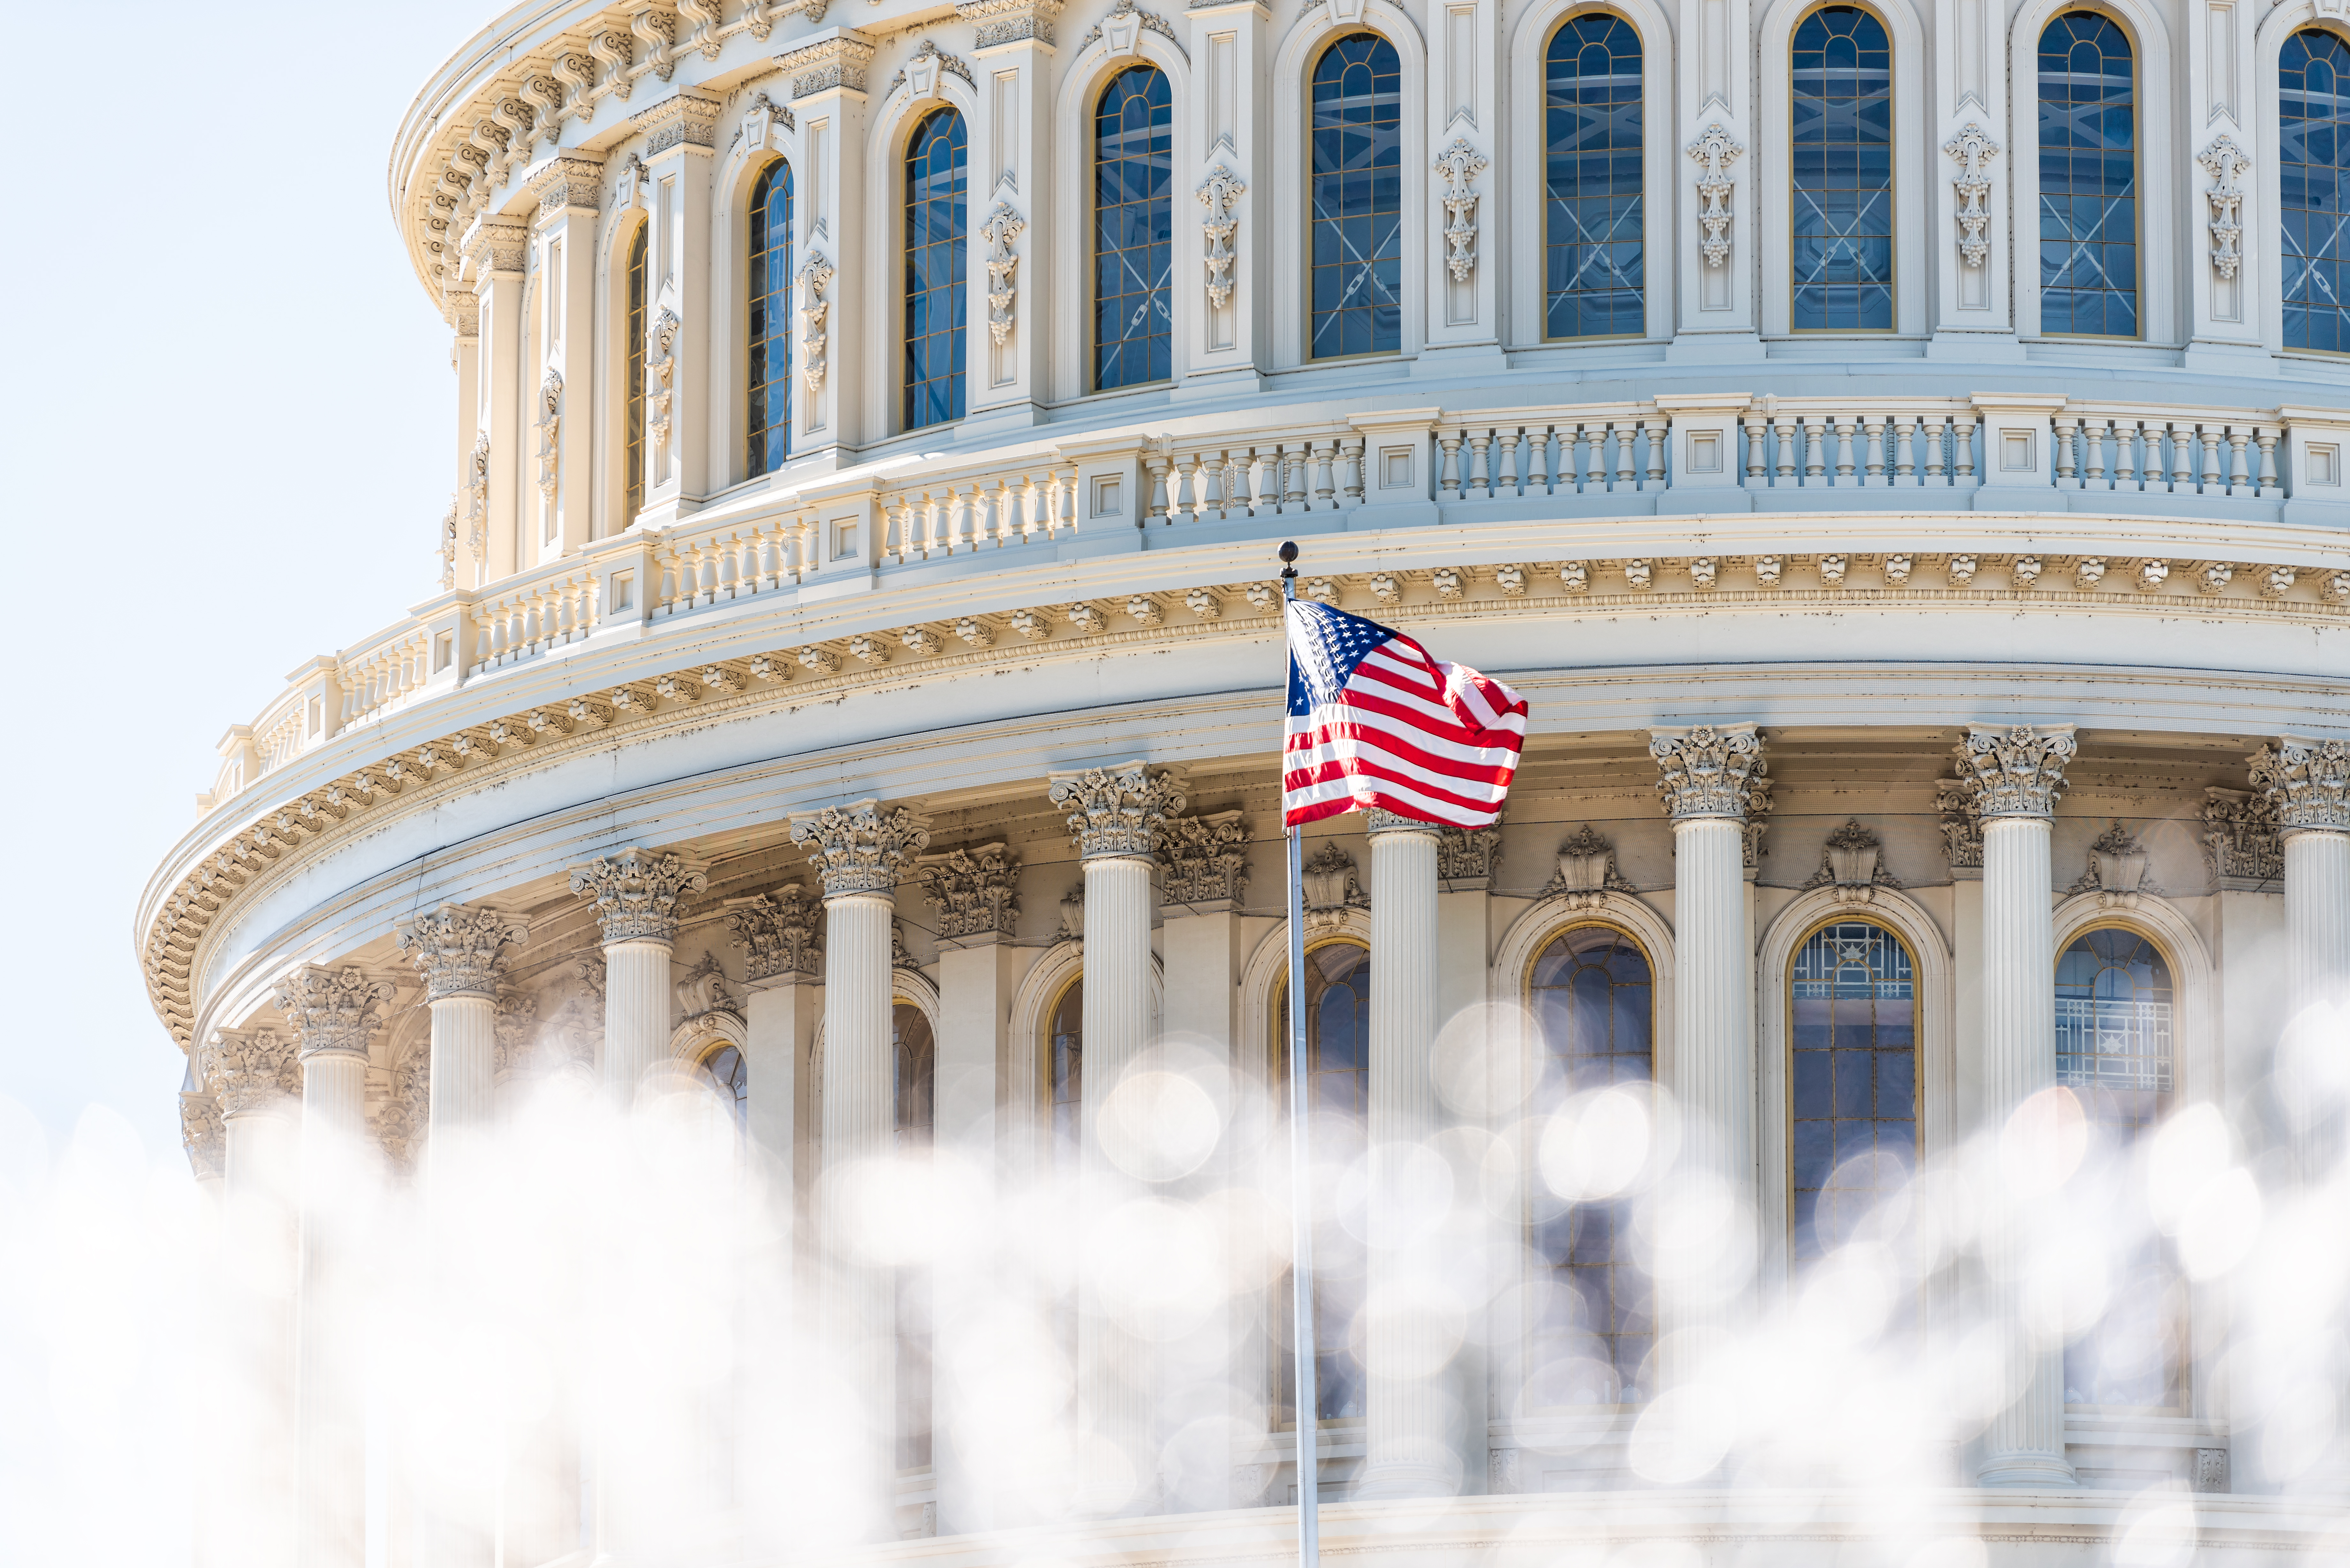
[858, 851]
[2308, 784]
[333, 1011]
[2012, 777]
[1714, 779]
[1407, 1414]
[256, 1076]
[1115, 814]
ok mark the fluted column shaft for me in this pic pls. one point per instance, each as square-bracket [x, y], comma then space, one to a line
[1115, 813]
[2014, 776]
[330, 1388]
[2317, 962]
[1405, 1355]
[637, 1002]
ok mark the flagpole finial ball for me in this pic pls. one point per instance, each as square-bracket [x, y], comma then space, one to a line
[1288, 557]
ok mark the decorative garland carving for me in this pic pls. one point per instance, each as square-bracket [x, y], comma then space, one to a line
[1974, 149]
[816, 277]
[1217, 194]
[1459, 165]
[1715, 152]
[1003, 226]
[2227, 164]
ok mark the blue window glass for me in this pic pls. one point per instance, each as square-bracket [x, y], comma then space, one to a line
[1338, 1088]
[937, 226]
[1594, 996]
[1358, 198]
[2088, 177]
[1591, 180]
[768, 426]
[1854, 1082]
[1134, 228]
[1842, 120]
[2114, 1038]
[2313, 181]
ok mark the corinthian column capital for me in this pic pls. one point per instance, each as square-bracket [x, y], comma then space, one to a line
[1712, 771]
[861, 848]
[777, 933]
[204, 1134]
[2015, 769]
[333, 1008]
[455, 948]
[2306, 782]
[975, 890]
[636, 892]
[1117, 811]
[252, 1070]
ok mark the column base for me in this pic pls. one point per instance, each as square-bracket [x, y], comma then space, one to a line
[1399, 1479]
[2026, 1469]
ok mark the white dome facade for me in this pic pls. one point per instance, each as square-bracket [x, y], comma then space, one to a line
[1897, 449]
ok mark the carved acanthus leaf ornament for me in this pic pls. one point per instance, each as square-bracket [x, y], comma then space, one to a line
[1712, 770]
[1202, 859]
[2307, 783]
[252, 1070]
[1117, 811]
[777, 932]
[636, 892]
[861, 848]
[974, 890]
[2017, 770]
[455, 948]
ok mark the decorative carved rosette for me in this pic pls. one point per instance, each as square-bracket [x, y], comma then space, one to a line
[861, 848]
[1117, 811]
[1204, 860]
[1712, 771]
[203, 1135]
[777, 933]
[455, 948]
[636, 892]
[252, 1070]
[2307, 783]
[974, 890]
[2016, 771]
[1587, 872]
[333, 1010]
[2239, 837]
[1853, 863]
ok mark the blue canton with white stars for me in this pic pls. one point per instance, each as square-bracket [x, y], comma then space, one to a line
[1325, 645]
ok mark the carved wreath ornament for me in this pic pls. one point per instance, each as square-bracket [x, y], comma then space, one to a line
[1715, 152]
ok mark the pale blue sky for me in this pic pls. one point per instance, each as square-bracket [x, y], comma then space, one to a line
[226, 433]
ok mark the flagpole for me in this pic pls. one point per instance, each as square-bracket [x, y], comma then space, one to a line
[1301, 1176]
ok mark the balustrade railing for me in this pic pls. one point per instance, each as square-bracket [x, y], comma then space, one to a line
[1032, 494]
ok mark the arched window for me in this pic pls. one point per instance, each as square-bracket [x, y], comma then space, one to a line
[1338, 1091]
[915, 1052]
[1065, 1048]
[1134, 229]
[632, 486]
[1594, 996]
[725, 1068]
[1357, 199]
[1592, 265]
[1841, 121]
[2088, 177]
[2114, 1051]
[768, 425]
[938, 223]
[1853, 998]
[2313, 175]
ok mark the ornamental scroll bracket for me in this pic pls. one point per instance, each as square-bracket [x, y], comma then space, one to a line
[1715, 151]
[816, 277]
[1973, 149]
[1217, 194]
[1003, 226]
[2227, 164]
[1459, 164]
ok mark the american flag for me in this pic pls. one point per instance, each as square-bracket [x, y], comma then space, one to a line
[1375, 722]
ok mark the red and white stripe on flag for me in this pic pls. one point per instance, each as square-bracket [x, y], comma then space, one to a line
[1375, 722]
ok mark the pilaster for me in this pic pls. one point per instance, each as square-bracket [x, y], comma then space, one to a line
[1967, 191]
[466, 559]
[2306, 784]
[836, 339]
[1711, 224]
[494, 249]
[1011, 170]
[1222, 201]
[1465, 238]
[570, 189]
[681, 138]
[2225, 185]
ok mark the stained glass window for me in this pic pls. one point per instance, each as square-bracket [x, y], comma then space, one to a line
[938, 220]
[632, 485]
[1594, 997]
[2088, 177]
[915, 1053]
[1358, 198]
[1134, 226]
[1338, 1090]
[769, 421]
[1591, 173]
[2314, 188]
[1841, 117]
[1855, 1080]
[2114, 1051]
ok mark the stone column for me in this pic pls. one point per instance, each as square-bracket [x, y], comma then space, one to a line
[1115, 814]
[455, 950]
[859, 851]
[1464, 944]
[636, 892]
[975, 894]
[2307, 783]
[2014, 776]
[493, 256]
[334, 1013]
[1406, 1419]
[256, 1076]
[1713, 778]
